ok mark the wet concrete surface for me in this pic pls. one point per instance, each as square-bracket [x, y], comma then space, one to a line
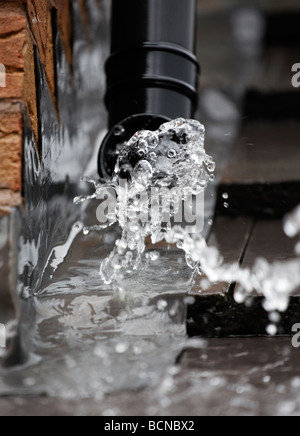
[80, 338]
[87, 349]
[220, 377]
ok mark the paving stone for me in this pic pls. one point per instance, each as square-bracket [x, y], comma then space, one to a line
[230, 236]
[283, 28]
[268, 5]
[269, 242]
[263, 177]
[217, 377]
[215, 312]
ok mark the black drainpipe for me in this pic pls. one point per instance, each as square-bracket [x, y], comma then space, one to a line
[152, 72]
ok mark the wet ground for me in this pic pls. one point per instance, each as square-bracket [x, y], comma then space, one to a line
[228, 377]
[88, 349]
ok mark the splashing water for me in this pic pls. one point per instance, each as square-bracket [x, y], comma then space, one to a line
[276, 282]
[174, 157]
[154, 174]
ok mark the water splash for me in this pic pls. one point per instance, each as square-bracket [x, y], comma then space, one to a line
[292, 223]
[174, 157]
[155, 173]
[276, 282]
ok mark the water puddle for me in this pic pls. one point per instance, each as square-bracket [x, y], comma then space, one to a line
[80, 337]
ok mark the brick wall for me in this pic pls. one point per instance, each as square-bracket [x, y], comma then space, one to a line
[26, 30]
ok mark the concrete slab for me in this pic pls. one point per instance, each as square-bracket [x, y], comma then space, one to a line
[220, 377]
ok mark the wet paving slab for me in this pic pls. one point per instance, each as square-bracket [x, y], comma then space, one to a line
[244, 240]
[262, 178]
[79, 337]
[217, 377]
[90, 350]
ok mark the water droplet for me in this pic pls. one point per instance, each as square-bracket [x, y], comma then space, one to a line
[153, 156]
[210, 222]
[119, 130]
[142, 153]
[225, 196]
[29, 382]
[172, 153]
[173, 311]
[267, 379]
[240, 390]
[143, 171]
[80, 199]
[226, 205]
[137, 350]
[153, 256]
[190, 300]
[205, 284]
[292, 224]
[295, 383]
[153, 141]
[86, 231]
[121, 348]
[272, 330]
[162, 305]
[274, 317]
